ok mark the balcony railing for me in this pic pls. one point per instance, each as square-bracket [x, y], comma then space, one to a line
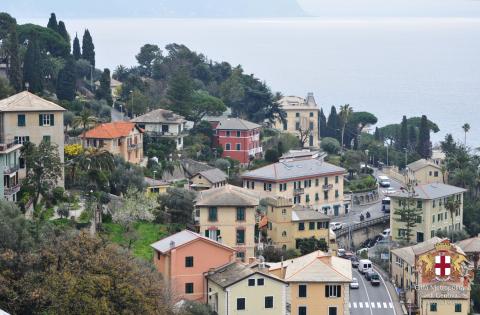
[327, 187]
[10, 169]
[7, 191]
[298, 191]
[7, 146]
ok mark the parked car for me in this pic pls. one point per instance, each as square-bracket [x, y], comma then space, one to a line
[383, 181]
[389, 191]
[368, 275]
[375, 279]
[354, 261]
[354, 284]
[336, 225]
[364, 265]
[341, 252]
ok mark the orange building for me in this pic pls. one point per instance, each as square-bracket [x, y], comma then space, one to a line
[184, 257]
[121, 138]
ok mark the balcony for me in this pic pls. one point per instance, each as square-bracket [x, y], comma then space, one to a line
[4, 147]
[298, 191]
[327, 187]
[7, 191]
[10, 169]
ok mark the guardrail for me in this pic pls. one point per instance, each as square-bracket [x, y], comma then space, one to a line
[364, 224]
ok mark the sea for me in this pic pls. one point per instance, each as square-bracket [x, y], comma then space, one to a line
[388, 66]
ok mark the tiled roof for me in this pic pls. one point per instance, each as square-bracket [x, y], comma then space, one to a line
[193, 167]
[113, 130]
[417, 165]
[287, 170]
[233, 124]
[470, 245]
[227, 195]
[27, 102]
[214, 175]
[296, 102]
[305, 214]
[181, 238]
[159, 116]
[431, 191]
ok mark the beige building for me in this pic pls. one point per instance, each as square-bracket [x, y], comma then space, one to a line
[237, 289]
[302, 117]
[207, 179]
[307, 181]
[227, 214]
[318, 283]
[435, 277]
[435, 217]
[163, 123]
[120, 138]
[423, 172]
[26, 117]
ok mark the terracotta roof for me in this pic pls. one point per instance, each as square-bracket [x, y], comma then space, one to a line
[181, 238]
[27, 102]
[111, 130]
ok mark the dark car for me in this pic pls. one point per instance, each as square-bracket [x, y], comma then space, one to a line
[355, 261]
[369, 274]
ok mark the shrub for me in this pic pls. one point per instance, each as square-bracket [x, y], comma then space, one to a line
[271, 156]
[330, 145]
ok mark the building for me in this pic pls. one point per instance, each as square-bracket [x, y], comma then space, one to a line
[423, 172]
[9, 168]
[239, 139]
[26, 117]
[434, 276]
[211, 178]
[184, 257]
[237, 289]
[318, 283]
[287, 225]
[306, 181]
[227, 214]
[156, 186]
[302, 118]
[435, 217]
[163, 123]
[471, 247]
[120, 138]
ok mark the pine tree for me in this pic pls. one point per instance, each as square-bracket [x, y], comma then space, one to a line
[52, 23]
[32, 72]
[76, 48]
[180, 93]
[408, 214]
[88, 49]
[66, 81]
[14, 70]
[322, 123]
[424, 144]
[403, 134]
[412, 137]
[377, 136]
[105, 92]
[333, 124]
[62, 30]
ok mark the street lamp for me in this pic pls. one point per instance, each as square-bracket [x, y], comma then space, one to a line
[366, 162]
[131, 106]
[228, 172]
[154, 172]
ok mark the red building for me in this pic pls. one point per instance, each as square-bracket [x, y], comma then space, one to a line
[240, 139]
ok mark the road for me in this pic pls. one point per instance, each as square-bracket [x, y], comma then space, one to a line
[368, 299]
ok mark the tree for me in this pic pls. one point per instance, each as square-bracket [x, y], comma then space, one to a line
[333, 124]
[304, 134]
[453, 206]
[52, 23]
[309, 245]
[203, 104]
[76, 48]
[88, 49]
[180, 93]
[345, 113]
[86, 120]
[178, 204]
[104, 91]
[330, 145]
[412, 138]
[44, 168]
[322, 123]
[424, 145]
[404, 133]
[146, 58]
[5, 89]
[14, 63]
[62, 30]
[32, 73]
[271, 156]
[408, 214]
[66, 81]
[466, 129]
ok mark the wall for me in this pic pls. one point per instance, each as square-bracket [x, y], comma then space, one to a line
[316, 302]
[248, 140]
[304, 120]
[361, 235]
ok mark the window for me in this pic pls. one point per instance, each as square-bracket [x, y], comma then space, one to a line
[283, 187]
[336, 179]
[307, 198]
[46, 139]
[301, 226]
[241, 255]
[21, 140]
[269, 302]
[227, 133]
[302, 310]
[297, 126]
[418, 219]
[435, 174]
[251, 282]
[458, 308]
[260, 281]
[311, 125]
[46, 120]
[285, 126]
[212, 214]
[433, 307]
[311, 225]
[240, 304]
[284, 211]
[325, 195]
[332, 310]
[302, 290]
[238, 146]
[419, 204]
[333, 291]
[316, 181]
[433, 218]
[297, 114]
[189, 287]
[336, 194]
[189, 261]
[267, 186]
[284, 234]
[227, 146]
[311, 114]
[241, 214]
[432, 233]
[240, 236]
[420, 237]
[325, 181]
[238, 134]
[21, 120]
[316, 197]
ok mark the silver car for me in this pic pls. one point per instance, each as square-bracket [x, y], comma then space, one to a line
[354, 283]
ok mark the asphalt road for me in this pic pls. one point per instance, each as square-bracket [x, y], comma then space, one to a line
[368, 299]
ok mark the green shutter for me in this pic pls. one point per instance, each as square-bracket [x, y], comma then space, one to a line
[52, 119]
[40, 121]
[326, 291]
[339, 290]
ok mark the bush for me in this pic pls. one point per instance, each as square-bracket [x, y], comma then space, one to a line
[330, 145]
[271, 156]
[63, 210]
[222, 164]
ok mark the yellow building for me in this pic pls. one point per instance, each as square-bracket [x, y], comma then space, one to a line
[306, 180]
[435, 277]
[207, 179]
[302, 118]
[238, 289]
[156, 186]
[424, 172]
[227, 214]
[435, 217]
[318, 283]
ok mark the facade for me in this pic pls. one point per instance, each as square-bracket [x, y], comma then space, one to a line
[423, 172]
[211, 178]
[227, 214]
[163, 123]
[184, 257]
[435, 217]
[240, 139]
[435, 276]
[9, 168]
[471, 247]
[318, 283]
[120, 138]
[26, 117]
[305, 181]
[156, 186]
[238, 289]
[302, 116]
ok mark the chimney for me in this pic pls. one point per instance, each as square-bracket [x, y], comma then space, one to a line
[251, 260]
[172, 244]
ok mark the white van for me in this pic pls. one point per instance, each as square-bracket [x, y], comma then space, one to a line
[365, 265]
[384, 181]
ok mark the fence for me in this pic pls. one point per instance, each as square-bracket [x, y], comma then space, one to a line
[363, 224]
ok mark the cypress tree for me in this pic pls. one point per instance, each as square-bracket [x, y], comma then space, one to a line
[14, 70]
[88, 49]
[32, 72]
[52, 23]
[377, 136]
[105, 92]
[322, 124]
[66, 81]
[424, 144]
[403, 133]
[76, 48]
[333, 125]
[412, 137]
[62, 30]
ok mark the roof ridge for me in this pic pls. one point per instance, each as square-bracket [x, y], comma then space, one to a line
[301, 269]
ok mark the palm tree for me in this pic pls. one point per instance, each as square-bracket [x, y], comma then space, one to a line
[466, 128]
[345, 112]
[452, 205]
[96, 159]
[85, 119]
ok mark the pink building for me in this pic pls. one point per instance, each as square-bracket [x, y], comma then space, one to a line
[184, 257]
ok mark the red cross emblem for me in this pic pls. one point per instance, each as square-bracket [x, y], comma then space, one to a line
[442, 265]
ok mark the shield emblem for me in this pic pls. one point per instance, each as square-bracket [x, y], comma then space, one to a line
[442, 266]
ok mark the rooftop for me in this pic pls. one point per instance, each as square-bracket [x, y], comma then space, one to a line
[193, 167]
[214, 175]
[181, 238]
[296, 102]
[290, 169]
[234, 272]
[300, 213]
[305, 153]
[431, 191]
[225, 123]
[158, 116]
[227, 195]
[417, 165]
[27, 102]
[470, 245]
[113, 130]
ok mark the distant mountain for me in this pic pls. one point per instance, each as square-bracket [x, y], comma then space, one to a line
[152, 8]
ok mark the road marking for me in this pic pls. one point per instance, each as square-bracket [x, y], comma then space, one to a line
[360, 304]
[385, 305]
[354, 304]
[388, 292]
[379, 305]
[368, 297]
[390, 304]
[373, 304]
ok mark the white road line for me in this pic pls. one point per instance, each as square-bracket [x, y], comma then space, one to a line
[388, 292]
[366, 292]
[385, 305]
[360, 304]
[354, 304]
[379, 305]
[390, 304]
[373, 304]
